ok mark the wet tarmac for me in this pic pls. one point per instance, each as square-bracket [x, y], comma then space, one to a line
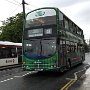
[44, 80]
[77, 78]
[82, 83]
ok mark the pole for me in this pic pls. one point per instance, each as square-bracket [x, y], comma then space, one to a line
[23, 5]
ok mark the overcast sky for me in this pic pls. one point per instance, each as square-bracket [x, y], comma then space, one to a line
[76, 10]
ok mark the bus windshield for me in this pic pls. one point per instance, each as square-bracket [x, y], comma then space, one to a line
[38, 49]
[41, 17]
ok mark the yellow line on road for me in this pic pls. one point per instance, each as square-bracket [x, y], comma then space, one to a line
[68, 85]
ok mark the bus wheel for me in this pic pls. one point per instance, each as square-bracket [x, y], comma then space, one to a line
[68, 64]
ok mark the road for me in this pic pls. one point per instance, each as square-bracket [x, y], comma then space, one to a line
[42, 81]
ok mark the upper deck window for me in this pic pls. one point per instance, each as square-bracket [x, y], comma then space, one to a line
[41, 17]
[61, 19]
[66, 23]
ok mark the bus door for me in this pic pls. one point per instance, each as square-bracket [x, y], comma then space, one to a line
[62, 53]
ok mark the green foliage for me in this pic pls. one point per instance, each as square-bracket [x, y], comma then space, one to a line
[12, 29]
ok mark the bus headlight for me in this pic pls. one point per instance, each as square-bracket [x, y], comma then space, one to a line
[23, 62]
[27, 66]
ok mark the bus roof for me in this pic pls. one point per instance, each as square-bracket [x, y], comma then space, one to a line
[43, 8]
[10, 43]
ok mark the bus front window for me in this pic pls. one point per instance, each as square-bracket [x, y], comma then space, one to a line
[38, 49]
[32, 48]
[48, 47]
[41, 17]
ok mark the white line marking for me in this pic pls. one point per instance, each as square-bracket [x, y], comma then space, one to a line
[26, 74]
[84, 69]
[6, 80]
[75, 74]
[22, 75]
[18, 76]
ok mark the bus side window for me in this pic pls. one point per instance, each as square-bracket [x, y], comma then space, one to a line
[61, 19]
[71, 47]
[63, 47]
[58, 41]
[60, 45]
[13, 52]
[5, 53]
[79, 48]
[68, 46]
[8, 53]
[0, 53]
[74, 47]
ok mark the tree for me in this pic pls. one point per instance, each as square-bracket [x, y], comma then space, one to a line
[12, 29]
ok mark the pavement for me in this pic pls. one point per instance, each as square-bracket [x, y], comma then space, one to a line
[82, 83]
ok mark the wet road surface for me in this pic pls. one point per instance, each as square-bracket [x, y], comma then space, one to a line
[83, 83]
[47, 80]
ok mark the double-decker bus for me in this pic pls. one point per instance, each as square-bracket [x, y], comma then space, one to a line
[10, 54]
[51, 41]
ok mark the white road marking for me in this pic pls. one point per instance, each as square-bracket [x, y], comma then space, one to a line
[75, 74]
[22, 75]
[84, 69]
[6, 80]
[18, 76]
[32, 72]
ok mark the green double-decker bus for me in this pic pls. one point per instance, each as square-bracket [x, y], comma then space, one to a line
[51, 41]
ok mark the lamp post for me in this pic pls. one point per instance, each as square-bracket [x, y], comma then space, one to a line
[24, 15]
[23, 5]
